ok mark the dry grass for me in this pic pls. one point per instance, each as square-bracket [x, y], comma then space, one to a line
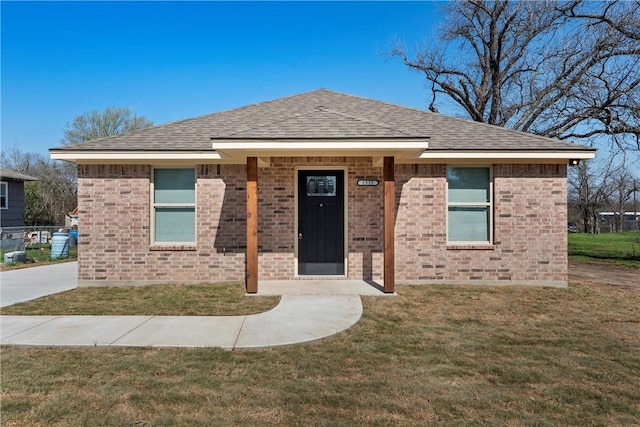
[509, 356]
[167, 300]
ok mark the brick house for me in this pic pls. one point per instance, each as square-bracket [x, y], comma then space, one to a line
[323, 184]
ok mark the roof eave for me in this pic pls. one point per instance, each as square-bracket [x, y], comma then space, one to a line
[404, 152]
[582, 154]
[133, 156]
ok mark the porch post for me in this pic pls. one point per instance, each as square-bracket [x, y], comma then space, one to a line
[389, 219]
[251, 272]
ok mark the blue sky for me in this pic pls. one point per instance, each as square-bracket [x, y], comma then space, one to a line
[173, 60]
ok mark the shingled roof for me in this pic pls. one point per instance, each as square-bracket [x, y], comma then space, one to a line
[15, 175]
[323, 114]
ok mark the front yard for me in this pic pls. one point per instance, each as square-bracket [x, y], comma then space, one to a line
[432, 355]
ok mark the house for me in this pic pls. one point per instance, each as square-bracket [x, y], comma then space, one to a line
[12, 197]
[323, 184]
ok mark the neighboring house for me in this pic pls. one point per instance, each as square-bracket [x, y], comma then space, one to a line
[12, 197]
[323, 184]
[610, 221]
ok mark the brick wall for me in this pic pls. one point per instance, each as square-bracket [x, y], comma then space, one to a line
[114, 207]
[529, 217]
[530, 238]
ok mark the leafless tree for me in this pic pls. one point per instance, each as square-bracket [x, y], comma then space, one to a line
[623, 184]
[55, 192]
[567, 70]
[593, 189]
[98, 124]
[588, 194]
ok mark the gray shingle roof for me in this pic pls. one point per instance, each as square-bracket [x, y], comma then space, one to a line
[15, 175]
[324, 114]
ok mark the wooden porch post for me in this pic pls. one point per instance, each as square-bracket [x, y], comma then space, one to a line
[389, 220]
[251, 272]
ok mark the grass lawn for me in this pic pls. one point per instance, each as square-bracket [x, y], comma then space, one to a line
[513, 356]
[38, 255]
[618, 248]
[166, 300]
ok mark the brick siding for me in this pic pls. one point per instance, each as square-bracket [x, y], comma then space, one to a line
[529, 225]
[530, 237]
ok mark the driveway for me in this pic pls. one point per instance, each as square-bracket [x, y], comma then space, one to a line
[30, 283]
[603, 274]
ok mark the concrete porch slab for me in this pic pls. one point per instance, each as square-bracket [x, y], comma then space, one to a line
[320, 287]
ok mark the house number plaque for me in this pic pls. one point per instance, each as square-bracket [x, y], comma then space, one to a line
[368, 183]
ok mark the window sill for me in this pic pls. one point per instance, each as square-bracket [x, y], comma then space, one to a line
[471, 247]
[168, 247]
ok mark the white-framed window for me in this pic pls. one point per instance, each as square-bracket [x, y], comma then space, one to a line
[173, 193]
[4, 195]
[469, 204]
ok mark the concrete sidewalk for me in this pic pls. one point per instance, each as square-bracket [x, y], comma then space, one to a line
[308, 310]
[30, 283]
[296, 319]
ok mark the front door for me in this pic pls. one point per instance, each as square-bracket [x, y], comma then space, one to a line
[320, 222]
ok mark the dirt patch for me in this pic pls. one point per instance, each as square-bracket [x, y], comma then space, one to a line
[604, 274]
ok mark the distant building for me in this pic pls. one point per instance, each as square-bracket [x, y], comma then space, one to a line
[609, 221]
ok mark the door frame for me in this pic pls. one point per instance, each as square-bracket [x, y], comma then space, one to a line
[344, 170]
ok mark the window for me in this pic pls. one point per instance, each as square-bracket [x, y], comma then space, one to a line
[321, 186]
[469, 211]
[174, 205]
[4, 195]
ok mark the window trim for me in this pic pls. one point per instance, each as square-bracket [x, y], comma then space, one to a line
[489, 205]
[5, 184]
[187, 245]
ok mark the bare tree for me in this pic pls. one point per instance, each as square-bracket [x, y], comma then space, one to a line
[623, 184]
[98, 124]
[584, 197]
[589, 193]
[53, 195]
[567, 70]
[623, 20]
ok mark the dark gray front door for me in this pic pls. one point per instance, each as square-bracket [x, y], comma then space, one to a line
[321, 222]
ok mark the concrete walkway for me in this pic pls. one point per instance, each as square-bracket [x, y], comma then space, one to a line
[296, 319]
[308, 310]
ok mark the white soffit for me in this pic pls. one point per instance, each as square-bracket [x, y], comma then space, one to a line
[293, 148]
[116, 156]
[509, 154]
[233, 152]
